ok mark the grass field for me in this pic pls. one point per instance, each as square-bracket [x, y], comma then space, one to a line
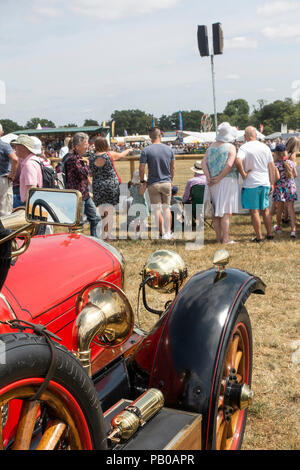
[274, 419]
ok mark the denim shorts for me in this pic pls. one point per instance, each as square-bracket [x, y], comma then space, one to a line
[256, 198]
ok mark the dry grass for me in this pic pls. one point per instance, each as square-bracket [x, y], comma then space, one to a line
[274, 419]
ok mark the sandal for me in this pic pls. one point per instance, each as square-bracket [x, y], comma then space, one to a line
[257, 240]
[269, 237]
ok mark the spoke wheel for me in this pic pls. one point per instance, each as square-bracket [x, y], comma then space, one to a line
[230, 420]
[67, 415]
[61, 429]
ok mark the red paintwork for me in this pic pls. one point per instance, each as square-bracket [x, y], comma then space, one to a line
[43, 284]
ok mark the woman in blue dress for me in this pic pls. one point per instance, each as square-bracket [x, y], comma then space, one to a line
[222, 178]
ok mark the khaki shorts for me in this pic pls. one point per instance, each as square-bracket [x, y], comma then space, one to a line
[160, 193]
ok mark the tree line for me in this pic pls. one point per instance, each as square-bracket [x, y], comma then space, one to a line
[237, 112]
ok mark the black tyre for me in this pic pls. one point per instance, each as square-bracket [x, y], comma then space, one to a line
[68, 414]
[227, 422]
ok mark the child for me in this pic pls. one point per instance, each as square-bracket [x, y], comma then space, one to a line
[292, 148]
[176, 208]
[285, 189]
[139, 209]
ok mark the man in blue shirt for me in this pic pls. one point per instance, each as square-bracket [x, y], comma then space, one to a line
[161, 166]
[8, 168]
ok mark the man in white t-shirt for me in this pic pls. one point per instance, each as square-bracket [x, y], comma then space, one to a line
[255, 161]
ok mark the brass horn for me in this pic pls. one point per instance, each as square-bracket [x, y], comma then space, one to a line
[104, 314]
[16, 222]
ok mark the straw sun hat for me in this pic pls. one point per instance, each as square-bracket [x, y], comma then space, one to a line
[197, 168]
[29, 143]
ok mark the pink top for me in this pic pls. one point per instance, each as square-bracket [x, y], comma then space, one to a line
[31, 175]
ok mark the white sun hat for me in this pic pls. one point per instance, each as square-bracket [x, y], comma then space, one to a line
[226, 133]
[37, 145]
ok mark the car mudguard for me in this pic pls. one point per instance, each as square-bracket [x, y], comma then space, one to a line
[188, 343]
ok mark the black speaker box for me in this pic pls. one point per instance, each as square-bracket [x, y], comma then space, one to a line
[203, 41]
[218, 38]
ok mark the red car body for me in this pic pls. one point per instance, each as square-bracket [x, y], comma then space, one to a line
[47, 294]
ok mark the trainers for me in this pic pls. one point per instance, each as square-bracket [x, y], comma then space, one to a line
[167, 236]
[293, 234]
[277, 229]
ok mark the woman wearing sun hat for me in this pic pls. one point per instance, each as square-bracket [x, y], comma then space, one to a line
[222, 177]
[198, 178]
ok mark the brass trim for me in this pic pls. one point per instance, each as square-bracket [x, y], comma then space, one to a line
[221, 259]
[77, 222]
[136, 414]
[8, 306]
[103, 311]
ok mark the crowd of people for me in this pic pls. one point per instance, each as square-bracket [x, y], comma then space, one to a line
[90, 168]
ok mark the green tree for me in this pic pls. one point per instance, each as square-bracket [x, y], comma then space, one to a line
[165, 123]
[133, 121]
[274, 114]
[237, 107]
[34, 122]
[90, 122]
[10, 126]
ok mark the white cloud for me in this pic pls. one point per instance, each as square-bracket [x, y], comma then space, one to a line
[48, 9]
[278, 8]
[116, 9]
[283, 31]
[240, 42]
[233, 77]
[50, 12]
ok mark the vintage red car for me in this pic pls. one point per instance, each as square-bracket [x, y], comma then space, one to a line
[75, 371]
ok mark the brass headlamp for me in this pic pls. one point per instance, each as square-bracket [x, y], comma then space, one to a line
[165, 271]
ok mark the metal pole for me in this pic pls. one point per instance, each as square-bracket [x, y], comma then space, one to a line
[214, 90]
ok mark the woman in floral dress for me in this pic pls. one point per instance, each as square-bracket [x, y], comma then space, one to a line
[106, 182]
[285, 189]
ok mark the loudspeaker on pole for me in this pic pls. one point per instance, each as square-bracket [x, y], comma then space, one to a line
[203, 41]
[218, 38]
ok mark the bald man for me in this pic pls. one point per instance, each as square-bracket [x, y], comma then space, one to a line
[256, 165]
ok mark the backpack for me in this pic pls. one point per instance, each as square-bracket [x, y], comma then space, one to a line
[61, 170]
[50, 179]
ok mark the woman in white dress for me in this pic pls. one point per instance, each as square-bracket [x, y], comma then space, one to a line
[222, 178]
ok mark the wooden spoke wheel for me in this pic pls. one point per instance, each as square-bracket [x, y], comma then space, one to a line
[46, 424]
[67, 415]
[234, 394]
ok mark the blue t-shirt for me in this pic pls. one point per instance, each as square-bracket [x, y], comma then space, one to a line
[5, 151]
[158, 157]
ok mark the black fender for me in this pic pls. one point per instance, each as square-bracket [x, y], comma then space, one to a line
[187, 354]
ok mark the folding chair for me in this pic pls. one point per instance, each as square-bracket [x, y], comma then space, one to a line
[197, 196]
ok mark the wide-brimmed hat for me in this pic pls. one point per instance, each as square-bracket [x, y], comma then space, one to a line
[37, 145]
[27, 142]
[226, 133]
[197, 168]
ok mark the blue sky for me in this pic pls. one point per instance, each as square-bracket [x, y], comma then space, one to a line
[68, 60]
